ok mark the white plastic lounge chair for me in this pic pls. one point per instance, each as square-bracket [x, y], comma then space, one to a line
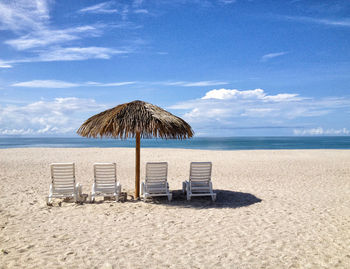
[156, 183]
[63, 183]
[199, 183]
[105, 181]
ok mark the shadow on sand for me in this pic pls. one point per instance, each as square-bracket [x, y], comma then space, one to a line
[224, 199]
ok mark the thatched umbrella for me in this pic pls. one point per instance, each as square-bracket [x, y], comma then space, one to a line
[136, 119]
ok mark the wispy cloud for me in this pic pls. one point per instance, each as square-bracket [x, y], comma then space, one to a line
[47, 37]
[141, 11]
[57, 116]
[112, 84]
[114, 7]
[192, 84]
[45, 84]
[269, 56]
[67, 84]
[345, 22]
[102, 8]
[4, 64]
[24, 15]
[227, 1]
[64, 84]
[321, 131]
[78, 53]
[30, 22]
[56, 54]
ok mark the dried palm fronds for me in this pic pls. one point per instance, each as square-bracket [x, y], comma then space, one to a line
[127, 119]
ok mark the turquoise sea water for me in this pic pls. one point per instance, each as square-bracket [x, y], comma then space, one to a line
[212, 143]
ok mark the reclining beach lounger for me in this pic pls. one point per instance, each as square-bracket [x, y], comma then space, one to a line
[199, 183]
[156, 183]
[105, 181]
[63, 183]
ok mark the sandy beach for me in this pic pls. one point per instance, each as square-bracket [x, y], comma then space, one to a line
[275, 209]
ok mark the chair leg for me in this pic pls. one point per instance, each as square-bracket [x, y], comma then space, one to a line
[142, 189]
[213, 195]
[117, 192]
[145, 196]
[79, 190]
[93, 193]
[49, 199]
[188, 192]
[116, 195]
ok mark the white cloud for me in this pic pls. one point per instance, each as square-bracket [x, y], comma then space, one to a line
[282, 97]
[112, 84]
[257, 112]
[4, 64]
[24, 15]
[58, 116]
[231, 108]
[141, 11]
[227, 1]
[47, 37]
[30, 22]
[329, 22]
[16, 131]
[192, 84]
[45, 84]
[224, 94]
[321, 131]
[269, 56]
[65, 84]
[230, 94]
[210, 113]
[102, 8]
[55, 54]
[113, 7]
[204, 83]
[78, 53]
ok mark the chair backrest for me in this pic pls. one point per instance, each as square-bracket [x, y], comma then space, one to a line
[200, 171]
[156, 172]
[105, 174]
[63, 176]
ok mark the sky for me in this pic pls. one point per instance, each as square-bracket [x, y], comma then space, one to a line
[227, 67]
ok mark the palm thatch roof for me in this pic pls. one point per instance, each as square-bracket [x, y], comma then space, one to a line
[127, 119]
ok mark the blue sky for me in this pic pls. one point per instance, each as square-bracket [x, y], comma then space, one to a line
[229, 68]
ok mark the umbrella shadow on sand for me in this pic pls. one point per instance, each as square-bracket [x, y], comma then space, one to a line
[224, 199]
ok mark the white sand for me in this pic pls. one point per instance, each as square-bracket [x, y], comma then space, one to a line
[302, 220]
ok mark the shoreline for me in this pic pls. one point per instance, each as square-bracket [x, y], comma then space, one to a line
[161, 148]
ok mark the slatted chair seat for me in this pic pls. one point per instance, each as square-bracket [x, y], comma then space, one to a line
[156, 183]
[199, 183]
[63, 183]
[105, 181]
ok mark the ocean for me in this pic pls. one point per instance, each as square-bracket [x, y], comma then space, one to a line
[205, 143]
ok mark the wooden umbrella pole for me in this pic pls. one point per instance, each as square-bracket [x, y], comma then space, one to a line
[137, 167]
